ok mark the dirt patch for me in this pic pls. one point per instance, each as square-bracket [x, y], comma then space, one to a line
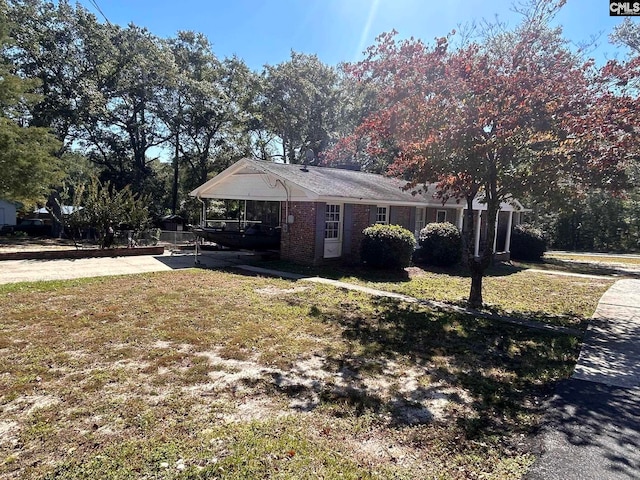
[273, 291]
[411, 392]
[8, 432]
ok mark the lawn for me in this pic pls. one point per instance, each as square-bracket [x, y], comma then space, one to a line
[205, 374]
[633, 260]
[617, 266]
[507, 289]
[560, 300]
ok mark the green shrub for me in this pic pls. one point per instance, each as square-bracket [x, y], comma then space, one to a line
[387, 246]
[527, 243]
[152, 235]
[440, 244]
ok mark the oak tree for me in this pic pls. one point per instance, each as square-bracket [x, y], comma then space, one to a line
[28, 166]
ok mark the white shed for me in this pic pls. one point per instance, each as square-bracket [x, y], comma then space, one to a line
[7, 212]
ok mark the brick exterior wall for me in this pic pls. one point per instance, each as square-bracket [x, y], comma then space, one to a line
[297, 243]
[300, 242]
[360, 219]
[452, 215]
[402, 216]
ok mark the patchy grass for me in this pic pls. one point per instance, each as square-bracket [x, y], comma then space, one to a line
[615, 266]
[202, 374]
[507, 289]
[556, 299]
[603, 259]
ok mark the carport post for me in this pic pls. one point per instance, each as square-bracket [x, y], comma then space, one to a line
[507, 243]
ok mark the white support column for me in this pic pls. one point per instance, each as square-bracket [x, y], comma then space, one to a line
[244, 216]
[495, 233]
[460, 218]
[478, 221]
[507, 243]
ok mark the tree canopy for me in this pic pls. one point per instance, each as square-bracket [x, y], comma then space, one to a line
[28, 166]
[510, 112]
[490, 119]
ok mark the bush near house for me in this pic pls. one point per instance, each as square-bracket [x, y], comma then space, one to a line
[527, 243]
[387, 246]
[440, 244]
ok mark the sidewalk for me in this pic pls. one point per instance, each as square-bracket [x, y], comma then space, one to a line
[592, 430]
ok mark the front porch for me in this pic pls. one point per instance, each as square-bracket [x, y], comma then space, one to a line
[505, 222]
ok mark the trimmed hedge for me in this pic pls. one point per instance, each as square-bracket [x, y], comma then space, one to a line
[440, 244]
[527, 243]
[387, 246]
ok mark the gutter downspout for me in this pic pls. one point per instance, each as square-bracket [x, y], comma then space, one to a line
[286, 215]
[286, 204]
[203, 223]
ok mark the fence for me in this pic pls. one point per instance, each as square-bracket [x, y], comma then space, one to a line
[177, 239]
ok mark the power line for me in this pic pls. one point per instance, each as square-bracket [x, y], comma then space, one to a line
[95, 4]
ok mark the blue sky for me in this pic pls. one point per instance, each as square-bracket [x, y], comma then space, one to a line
[265, 31]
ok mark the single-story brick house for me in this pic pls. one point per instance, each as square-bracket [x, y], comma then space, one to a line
[322, 211]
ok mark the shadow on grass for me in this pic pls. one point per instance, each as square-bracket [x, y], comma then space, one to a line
[364, 274]
[585, 268]
[503, 372]
[570, 320]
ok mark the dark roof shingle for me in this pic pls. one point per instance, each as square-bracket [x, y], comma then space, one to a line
[336, 182]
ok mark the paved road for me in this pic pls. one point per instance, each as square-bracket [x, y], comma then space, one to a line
[592, 428]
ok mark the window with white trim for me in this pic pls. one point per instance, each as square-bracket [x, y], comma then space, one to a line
[441, 216]
[421, 215]
[332, 221]
[382, 215]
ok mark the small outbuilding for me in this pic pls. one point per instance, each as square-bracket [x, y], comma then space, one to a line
[8, 211]
[173, 223]
[322, 211]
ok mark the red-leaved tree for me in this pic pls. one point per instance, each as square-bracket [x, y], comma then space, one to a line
[487, 120]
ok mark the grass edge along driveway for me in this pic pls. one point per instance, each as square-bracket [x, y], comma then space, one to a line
[202, 374]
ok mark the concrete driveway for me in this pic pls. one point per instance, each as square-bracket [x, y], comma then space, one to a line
[12, 271]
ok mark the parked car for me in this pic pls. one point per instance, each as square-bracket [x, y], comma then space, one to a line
[34, 227]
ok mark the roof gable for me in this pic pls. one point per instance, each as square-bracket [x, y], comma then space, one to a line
[261, 180]
[326, 182]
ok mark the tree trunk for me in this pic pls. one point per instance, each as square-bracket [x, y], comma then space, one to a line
[176, 162]
[475, 295]
[477, 266]
[176, 174]
[284, 150]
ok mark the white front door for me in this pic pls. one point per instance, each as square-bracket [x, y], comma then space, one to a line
[333, 231]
